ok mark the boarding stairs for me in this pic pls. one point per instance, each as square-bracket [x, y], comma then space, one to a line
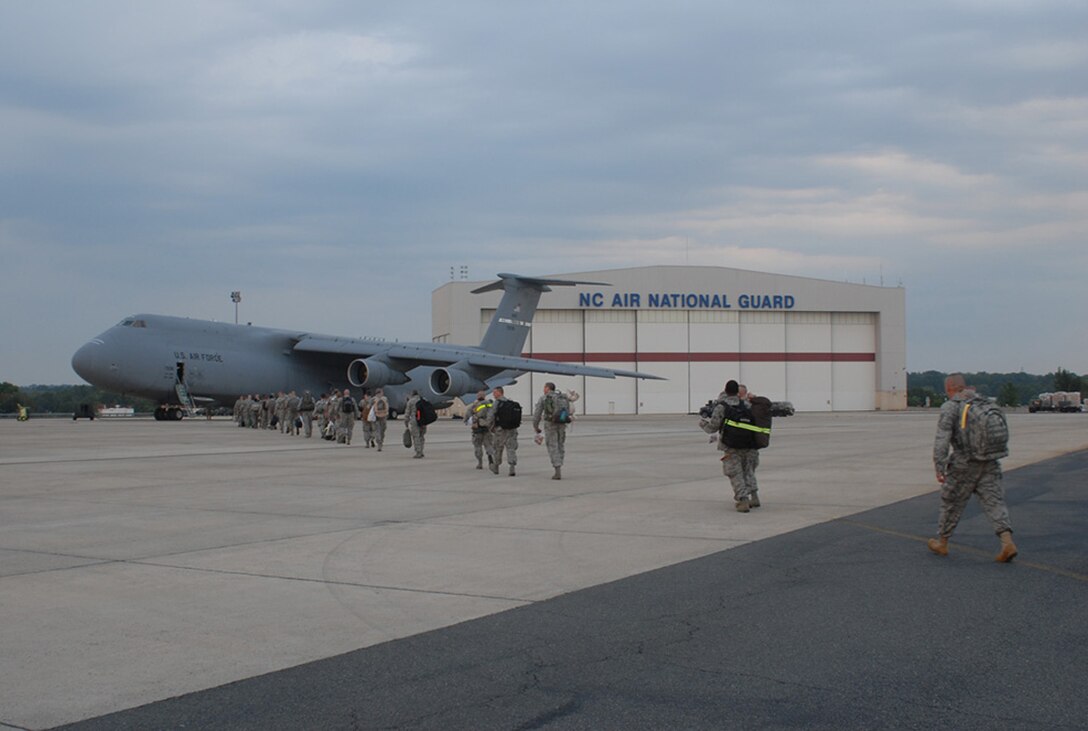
[185, 399]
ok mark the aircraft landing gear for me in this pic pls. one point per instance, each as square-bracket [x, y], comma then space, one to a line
[168, 413]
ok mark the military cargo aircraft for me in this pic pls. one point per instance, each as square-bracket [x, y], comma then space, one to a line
[181, 363]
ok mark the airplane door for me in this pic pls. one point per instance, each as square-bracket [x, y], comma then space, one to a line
[181, 371]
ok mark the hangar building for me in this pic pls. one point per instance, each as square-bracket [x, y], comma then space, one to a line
[822, 345]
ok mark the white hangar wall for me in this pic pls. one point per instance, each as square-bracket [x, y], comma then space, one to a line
[822, 345]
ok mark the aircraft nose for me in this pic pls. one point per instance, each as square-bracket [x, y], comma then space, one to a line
[85, 360]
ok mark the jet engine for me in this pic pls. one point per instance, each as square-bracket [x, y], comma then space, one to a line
[373, 373]
[454, 382]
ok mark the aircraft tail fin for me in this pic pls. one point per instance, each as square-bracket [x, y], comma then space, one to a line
[510, 326]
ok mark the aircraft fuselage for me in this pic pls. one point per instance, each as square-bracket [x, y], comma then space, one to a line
[146, 355]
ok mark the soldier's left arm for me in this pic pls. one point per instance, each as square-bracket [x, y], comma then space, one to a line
[714, 423]
[942, 443]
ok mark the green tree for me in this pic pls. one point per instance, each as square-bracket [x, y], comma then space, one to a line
[9, 398]
[1066, 381]
[1009, 395]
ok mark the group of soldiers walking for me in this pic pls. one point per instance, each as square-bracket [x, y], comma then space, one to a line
[971, 440]
[335, 414]
[494, 420]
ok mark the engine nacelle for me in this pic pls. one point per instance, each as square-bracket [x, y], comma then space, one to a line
[454, 382]
[371, 373]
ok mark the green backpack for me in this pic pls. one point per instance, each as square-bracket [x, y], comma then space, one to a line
[983, 431]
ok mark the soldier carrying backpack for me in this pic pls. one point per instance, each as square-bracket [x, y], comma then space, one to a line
[553, 409]
[418, 412]
[734, 421]
[975, 431]
[503, 422]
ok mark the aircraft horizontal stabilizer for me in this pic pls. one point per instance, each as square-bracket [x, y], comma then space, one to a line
[535, 282]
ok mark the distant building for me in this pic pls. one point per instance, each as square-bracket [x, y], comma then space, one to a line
[822, 345]
[108, 411]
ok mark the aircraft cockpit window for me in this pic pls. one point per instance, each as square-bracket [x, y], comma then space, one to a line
[132, 322]
[139, 323]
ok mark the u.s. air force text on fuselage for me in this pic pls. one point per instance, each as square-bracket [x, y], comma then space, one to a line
[685, 300]
[205, 357]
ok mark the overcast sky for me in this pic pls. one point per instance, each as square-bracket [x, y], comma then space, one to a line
[333, 160]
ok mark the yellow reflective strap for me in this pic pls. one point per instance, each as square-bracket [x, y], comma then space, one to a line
[749, 427]
[963, 417]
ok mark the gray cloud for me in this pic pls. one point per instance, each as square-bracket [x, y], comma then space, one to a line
[155, 156]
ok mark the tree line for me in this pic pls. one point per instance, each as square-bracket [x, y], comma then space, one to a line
[63, 399]
[1010, 389]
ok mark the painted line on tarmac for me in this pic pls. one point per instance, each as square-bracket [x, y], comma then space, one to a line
[969, 549]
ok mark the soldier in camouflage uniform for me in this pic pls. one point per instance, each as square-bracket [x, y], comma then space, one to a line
[255, 411]
[332, 414]
[279, 410]
[238, 411]
[555, 434]
[381, 415]
[499, 440]
[266, 410]
[479, 433]
[348, 411]
[321, 411]
[739, 465]
[306, 406]
[419, 433]
[961, 477]
[291, 408]
[364, 411]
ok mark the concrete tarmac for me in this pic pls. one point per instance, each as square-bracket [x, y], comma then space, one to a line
[142, 561]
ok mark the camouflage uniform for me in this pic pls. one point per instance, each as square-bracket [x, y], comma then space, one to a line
[555, 435]
[739, 465]
[238, 411]
[279, 409]
[332, 414]
[291, 409]
[320, 410]
[381, 415]
[255, 412]
[418, 432]
[368, 426]
[266, 410]
[347, 419]
[306, 406]
[479, 433]
[964, 477]
[499, 439]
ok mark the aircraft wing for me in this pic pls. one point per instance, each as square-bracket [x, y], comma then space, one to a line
[538, 365]
[358, 347]
[423, 354]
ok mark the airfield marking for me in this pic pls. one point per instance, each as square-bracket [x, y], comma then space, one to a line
[971, 550]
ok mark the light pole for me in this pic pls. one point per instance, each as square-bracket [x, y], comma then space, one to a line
[235, 297]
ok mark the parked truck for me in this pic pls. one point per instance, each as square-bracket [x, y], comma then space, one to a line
[1059, 401]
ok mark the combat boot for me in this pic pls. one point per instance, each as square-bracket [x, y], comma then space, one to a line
[753, 500]
[479, 464]
[938, 545]
[494, 467]
[558, 474]
[512, 471]
[742, 505]
[1008, 548]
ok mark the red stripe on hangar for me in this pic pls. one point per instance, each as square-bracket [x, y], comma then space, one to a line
[705, 357]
